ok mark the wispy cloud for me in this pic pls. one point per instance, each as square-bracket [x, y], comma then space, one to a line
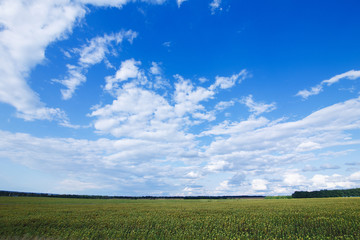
[228, 82]
[257, 108]
[215, 6]
[351, 75]
[92, 53]
[179, 2]
[28, 27]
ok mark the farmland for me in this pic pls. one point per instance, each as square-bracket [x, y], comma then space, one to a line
[58, 218]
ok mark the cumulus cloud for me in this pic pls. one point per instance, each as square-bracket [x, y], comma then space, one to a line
[259, 184]
[155, 148]
[138, 113]
[155, 69]
[351, 75]
[93, 53]
[29, 27]
[128, 70]
[215, 5]
[187, 99]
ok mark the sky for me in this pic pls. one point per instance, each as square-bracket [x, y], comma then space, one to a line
[179, 97]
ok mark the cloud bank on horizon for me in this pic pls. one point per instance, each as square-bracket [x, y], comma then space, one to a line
[93, 101]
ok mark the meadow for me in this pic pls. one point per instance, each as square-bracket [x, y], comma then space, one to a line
[58, 218]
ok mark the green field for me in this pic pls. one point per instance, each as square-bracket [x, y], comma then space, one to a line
[51, 218]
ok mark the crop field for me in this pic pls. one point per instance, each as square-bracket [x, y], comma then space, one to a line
[55, 218]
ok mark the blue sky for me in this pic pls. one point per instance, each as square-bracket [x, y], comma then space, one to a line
[174, 97]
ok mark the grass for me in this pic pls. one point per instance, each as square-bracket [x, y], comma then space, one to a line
[53, 218]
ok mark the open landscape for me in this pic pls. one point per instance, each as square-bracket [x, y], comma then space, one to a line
[179, 119]
[61, 218]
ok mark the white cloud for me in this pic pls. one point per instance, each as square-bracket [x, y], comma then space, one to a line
[179, 2]
[257, 108]
[224, 186]
[259, 184]
[351, 75]
[138, 113]
[128, 70]
[166, 44]
[74, 79]
[73, 185]
[355, 176]
[155, 69]
[295, 179]
[306, 93]
[228, 82]
[203, 79]
[246, 126]
[187, 99]
[223, 105]
[215, 5]
[136, 166]
[320, 181]
[116, 3]
[29, 27]
[92, 53]
[260, 144]
[307, 146]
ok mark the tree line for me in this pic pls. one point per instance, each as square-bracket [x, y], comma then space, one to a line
[355, 192]
[30, 194]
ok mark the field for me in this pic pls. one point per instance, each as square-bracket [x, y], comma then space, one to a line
[51, 218]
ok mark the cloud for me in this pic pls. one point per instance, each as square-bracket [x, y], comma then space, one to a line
[215, 5]
[155, 69]
[179, 2]
[203, 79]
[259, 184]
[128, 70]
[228, 82]
[351, 75]
[116, 3]
[73, 185]
[139, 113]
[74, 79]
[187, 99]
[154, 151]
[295, 179]
[320, 181]
[355, 176]
[92, 53]
[313, 91]
[158, 79]
[29, 27]
[257, 145]
[126, 166]
[223, 105]
[257, 108]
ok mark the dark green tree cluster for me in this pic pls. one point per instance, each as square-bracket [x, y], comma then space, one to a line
[355, 192]
[29, 194]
